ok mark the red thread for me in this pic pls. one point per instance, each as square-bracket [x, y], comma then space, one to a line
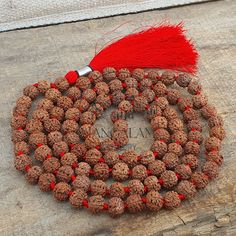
[149, 172]
[20, 128]
[55, 172]
[61, 154]
[144, 200]
[130, 172]
[139, 158]
[181, 196]
[101, 159]
[48, 156]
[178, 175]
[147, 107]
[73, 177]
[52, 185]
[110, 170]
[91, 80]
[105, 206]
[127, 189]
[178, 142]
[53, 85]
[85, 203]
[36, 85]
[74, 165]
[20, 153]
[155, 154]
[72, 146]
[145, 188]
[70, 193]
[121, 157]
[39, 145]
[187, 108]
[98, 147]
[161, 181]
[124, 85]
[72, 77]
[179, 100]
[27, 168]
[91, 172]
[95, 89]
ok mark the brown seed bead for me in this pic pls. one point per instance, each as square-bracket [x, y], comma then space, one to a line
[215, 121]
[31, 91]
[101, 88]
[199, 179]
[134, 203]
[98, 187]
[120, 171]
[43, 86]
[92, 156]
[211, 169]
[194, 125]
[115, 85]
[140, 103]
[183, 80]
[45, 104]
[60, 148]
[161, 134]
[117, 115]
[139, 172]
[136, 187]
[162, 102]
[138, 74]
[79, 150]
[22, 161]
[92, 141]
[117, 190]
[109, 73]
[171, 200]
[169, 113]
[212, 143]
[180, 137]
[72, 114]
[120, 125]
[61, 191]
[153, 75]
[125, 106]
[70, 126]
[20, 111]
[45, 181]
[123, 74]
[169, 179]
[115, 207]
[33, 174]
[68, 159]
[199, 101]
[96, 204]
[190, 160]
[86, 130]
[190, 114]
[21, 147]
[77, 197]
[184, 171]
[42, 152]
[208, 111]
[53, 94]
[107, 145]
[18, 122]
[215, 157]
[168, 78]
[95, 76]
[146, 157]
[173, 96]
[185, 104]
[40, 114]
[175, 125]
[154, 201]
[89, 95]
[131, 83]
[51, 125]
[117, 97]
[171, 160]
[146, 84]
[111, 158]
[104, 100]
[62, 84]
[83, 169]
[151, 182]
[24, 101]
[34, 125]
[130, 157]
[37, 138]
[194, 87]
[186, 188]
[82, 105]
[64, 173]
[96, 109]
[51, 164]
[192, 148]
[175, 148]
[159, 147]
[83, 83]
[218, 132]
[120, 138]
[153, 111]
[57, 112]
[101, 171]
[159, 122]
[131, 94]
[81, 182]
[73, 93]
[157, 167]
[195, 136]
[64, 102]
[149, 95]
[160, 89]
[54, 137]
[19, 135]
[71, 138]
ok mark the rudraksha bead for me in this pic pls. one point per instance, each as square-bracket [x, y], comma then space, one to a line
[101, 171]
[54, 137]
[62, 83]
[120, 138]
[51, 164]
[171, 200]
[117, 190]
[157, 167]
[159, 122]
[130, 157]
[72, 114]
[151, 182]
[40, 114]
[51, 125]
[146, 157]
[81, 182]
[42, 152]
[61, 191]
[190, 160]
[45, 181]
[69, 126]
[21, 147]
[154, 201]
[134, 203]
[83, 83]
[120, 171]
[31, 91]
[71, 138]
[211, 169]
[68, 159]
[32, 175]
[22, 161]
[92, 141]
[199, 179]
[160, 147]
[96, 203]
[184, 171]
[116, 206]
[53, 94]
[139, 172]
[73, 93]
[83, 168]
[64, 173]
[60, 148]
[79, 150]
[98, 187]
[183, 80]
[109, 73]
[186, 188]
[218, 132]
[37, 138]
[136, 187]
[77, 197]
[169, 179]
[92, 156]
[171, 160]
[64, 102]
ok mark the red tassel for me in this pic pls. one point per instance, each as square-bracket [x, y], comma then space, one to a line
[163, 47]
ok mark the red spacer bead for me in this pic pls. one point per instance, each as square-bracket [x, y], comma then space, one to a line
[74, 165]
[91, 80]
[155, 98]
[140, 94]
[27, 168]
[53, 85]
[149, 172]
[139, 84]
[85, 203]
[108, 192]
[73, 177]
[160, 181]
[193, 130]
[144, 200]
[61, 154]
[181, 196]
[20, 153]
[125, 205]
[196, 141]
[163, 141]
[105, 206]
[158, 77]
[124, 85]
[72, 77]
[39, 145]
[36, 85]
[127, 189]
[178, 142]
[52, 185]
[101, 159]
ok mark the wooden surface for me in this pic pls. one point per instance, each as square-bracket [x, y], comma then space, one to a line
[45, 53]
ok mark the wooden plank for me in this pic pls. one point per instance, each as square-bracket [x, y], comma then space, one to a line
[45, 53]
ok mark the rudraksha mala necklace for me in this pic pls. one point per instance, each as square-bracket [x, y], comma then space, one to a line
[61, 136]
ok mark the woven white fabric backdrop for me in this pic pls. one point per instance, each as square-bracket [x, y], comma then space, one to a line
[16, 14]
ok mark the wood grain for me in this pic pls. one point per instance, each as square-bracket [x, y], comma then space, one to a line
[48, 52]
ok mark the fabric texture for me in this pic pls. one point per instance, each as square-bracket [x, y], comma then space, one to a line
[16, 14]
